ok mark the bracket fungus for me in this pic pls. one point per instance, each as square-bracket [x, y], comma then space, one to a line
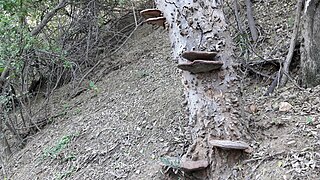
[150, 13]
[226, 144]
[156, 21]
[200, 66]
[185, 163]
[188, 165]
[199, 55]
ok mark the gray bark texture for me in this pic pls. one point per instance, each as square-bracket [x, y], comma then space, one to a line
[212, 99]
[310, 54]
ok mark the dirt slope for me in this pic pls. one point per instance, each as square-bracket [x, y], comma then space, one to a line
[117, 130]
[120, 128]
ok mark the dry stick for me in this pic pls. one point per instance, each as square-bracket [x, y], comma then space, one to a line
[294, 82]
[4, 174]
[262, 160]
[134, 14]
[236, 5]
[48, 17]
[294, 38]
[258, 72]
[251, 22]
[102, 59]
[287, 62]
[242, 32]
[236, 13]
[35, 32]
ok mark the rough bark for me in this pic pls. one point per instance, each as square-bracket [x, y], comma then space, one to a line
[212, 98]
[310, 54]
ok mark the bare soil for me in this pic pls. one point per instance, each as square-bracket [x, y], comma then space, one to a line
[122, 127]
[117, 130]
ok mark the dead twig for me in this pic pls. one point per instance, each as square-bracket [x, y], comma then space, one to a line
[294, 82]
[274, 83]
[285, 70]
[262, 160]
[251, 21]
[294, 37]
[264, 61]
[259, 73]
[48, 17]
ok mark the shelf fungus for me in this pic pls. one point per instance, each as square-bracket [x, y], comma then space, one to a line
[200, 66]
[150, 13]
[185, 164]
[203, 55]
[188, 165]
[156, 21]
[226, 144]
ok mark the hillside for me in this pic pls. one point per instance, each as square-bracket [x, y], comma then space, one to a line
[117, 131]
[132, 117]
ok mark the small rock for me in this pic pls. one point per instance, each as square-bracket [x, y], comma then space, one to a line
[165, 151]
[275, 106]
[153, 156]
[138, 171]
[291, 142]
[253, 108]
[284, 107]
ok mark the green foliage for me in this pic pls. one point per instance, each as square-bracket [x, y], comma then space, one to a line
[77, 111]
[66, 106]
[17, 19]
[309, 120]
[242, 41]
[67, 64]
[14, 34]
[53, 152]
[171, 162]
[142, 74]
[290, 22]
[67, 173]
[93, 86]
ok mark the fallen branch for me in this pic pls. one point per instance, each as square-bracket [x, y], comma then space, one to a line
[264, 61]
[294, 37]
[259, 73]
[262, 160]
[280, 79]
[48, 17]
[251, 21]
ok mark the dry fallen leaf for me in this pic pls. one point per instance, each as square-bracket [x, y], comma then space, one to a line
[253, 108]
[284, 107]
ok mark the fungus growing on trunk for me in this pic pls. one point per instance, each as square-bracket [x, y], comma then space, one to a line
[200, 66]
[194, 55]
[226, 144]
[150, 13]
[188, 165]
[159, 21]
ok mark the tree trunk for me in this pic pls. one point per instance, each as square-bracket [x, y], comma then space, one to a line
[310, 54]
[212, 98]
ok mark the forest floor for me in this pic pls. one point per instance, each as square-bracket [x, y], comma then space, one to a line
[132, 118]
